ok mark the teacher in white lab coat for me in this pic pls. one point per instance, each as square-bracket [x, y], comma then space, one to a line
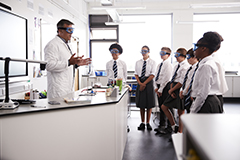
[61, 61]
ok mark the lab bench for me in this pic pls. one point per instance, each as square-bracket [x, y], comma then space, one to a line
[210, 136]
[91, 130]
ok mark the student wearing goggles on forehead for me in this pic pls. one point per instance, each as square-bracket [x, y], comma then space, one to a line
[162, 77]
[116, 68]
[61, 62]
[144, 73]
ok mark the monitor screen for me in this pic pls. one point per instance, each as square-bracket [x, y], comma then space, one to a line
[13, 43]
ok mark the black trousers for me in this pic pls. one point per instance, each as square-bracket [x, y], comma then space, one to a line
[211, 105]
[161, 99]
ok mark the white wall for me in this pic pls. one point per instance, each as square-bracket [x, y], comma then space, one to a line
[52, 12]
[182, 35]
[77, 11]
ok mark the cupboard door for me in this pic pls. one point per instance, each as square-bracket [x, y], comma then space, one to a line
[236, 86]
[229, 80]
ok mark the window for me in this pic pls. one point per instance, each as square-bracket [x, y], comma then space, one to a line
[228, 27]
[156, 33]
[100, 54]
[101, 37]
[103, 33]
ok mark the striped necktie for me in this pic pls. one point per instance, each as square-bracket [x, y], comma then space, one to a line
[173, 77]
[143, 70]
[185, 78]
[115, 70]
[187, 100]
[158, 71]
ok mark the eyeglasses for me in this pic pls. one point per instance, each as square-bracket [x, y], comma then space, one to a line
[144, 51]
[114, 51]
[68, 29]
[163, 53]
[188, 56]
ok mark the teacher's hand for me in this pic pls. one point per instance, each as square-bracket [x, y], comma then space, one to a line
[82, 62]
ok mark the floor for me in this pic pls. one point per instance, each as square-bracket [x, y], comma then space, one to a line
[145, 145]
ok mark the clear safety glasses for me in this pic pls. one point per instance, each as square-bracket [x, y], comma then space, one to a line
[114, 51]
[144, 51]
[68, 29]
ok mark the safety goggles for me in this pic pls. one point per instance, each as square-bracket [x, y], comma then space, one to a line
[114, 51]
[163, 53]
[144, 51]
[196, 46]
[188, 56]
[177, 54]
[68, 29]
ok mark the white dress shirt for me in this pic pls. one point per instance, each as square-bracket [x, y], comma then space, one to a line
[189, 78]
[150, 67]
[121, 69]
[184, 65]
[206, 82]
[221, 71]
[164, 75]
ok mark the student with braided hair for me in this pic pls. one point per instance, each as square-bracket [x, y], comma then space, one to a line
[206, 81]
[223, 84]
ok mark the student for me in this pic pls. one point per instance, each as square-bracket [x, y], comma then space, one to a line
[206, 80]
[221, 71]
[144, 73]
[163, 76]
[173, 100]
[192, 60]
[116, 68]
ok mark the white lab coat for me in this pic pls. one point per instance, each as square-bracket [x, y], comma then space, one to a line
[59, 74]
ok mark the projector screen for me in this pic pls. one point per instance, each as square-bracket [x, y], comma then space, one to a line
[13, 43]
